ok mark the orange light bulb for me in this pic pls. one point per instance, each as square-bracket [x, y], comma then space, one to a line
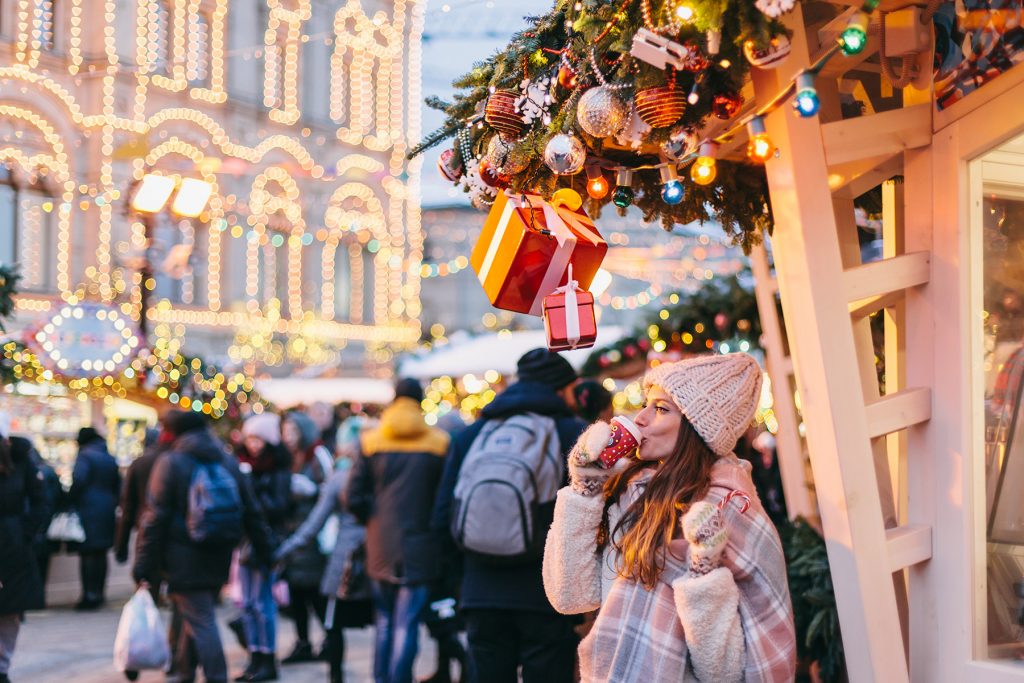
[597, 187]
[704, 171]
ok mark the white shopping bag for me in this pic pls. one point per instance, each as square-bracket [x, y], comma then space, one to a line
[141, 641]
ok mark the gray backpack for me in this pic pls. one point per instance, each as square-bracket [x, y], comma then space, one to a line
[505, 493]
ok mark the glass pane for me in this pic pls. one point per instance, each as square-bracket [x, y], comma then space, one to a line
[1002, 225]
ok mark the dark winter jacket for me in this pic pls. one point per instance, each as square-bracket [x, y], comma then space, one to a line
[271, 475]
[485, 585]
[133, 498]
[52, 490]
[95, 489]
[23, 513]
[164, 550]
[306, 564]
[392, 490]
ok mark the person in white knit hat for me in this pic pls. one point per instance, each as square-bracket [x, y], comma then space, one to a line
[672, 544]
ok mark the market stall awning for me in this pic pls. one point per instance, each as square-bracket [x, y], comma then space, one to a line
[288, 392]
[497, 352]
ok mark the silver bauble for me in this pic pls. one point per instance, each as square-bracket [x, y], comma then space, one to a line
[506, 157]
[600, 112]
[680, 143]
[565, 154]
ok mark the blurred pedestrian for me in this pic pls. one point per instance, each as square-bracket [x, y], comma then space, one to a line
[509, 621]
[52, 492]
[268, 464]
[394, 481]
[23, 514]
[188, 545]
[593, 401]
[95, 489]
[312, 464]
[133, 492]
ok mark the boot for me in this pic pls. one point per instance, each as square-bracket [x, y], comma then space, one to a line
[250, 669]
[266, 668]
[302, 652]
[237, 626]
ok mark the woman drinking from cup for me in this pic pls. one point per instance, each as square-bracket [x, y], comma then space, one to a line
[671, 543]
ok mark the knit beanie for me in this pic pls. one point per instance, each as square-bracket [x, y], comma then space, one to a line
[409, 388]
[545, 367]
[717, 394]
[179, 422]
[308, 431]
[266, 426]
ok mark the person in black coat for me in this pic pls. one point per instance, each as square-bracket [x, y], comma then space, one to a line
[194, 573]
[23, 514]
[133, 493]
[509, 621]
[95, 489]
[52, 492]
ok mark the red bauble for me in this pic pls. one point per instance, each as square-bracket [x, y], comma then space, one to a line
[566, 77]
[660, 107]
[449, 166]
[501, 114]
[490, 175]
[726, 105]
[695, 60]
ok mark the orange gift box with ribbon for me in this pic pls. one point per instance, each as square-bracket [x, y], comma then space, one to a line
[526, 247]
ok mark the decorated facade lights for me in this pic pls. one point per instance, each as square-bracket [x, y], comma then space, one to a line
[704, 169]
[671, 188]
[806, 102]
[759, 147]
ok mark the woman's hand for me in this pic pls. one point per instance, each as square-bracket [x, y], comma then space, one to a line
[586, 476]
[704, 531]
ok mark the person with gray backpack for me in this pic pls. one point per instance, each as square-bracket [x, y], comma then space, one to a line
[495, 504]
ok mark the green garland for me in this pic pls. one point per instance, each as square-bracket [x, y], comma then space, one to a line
[722, 311]
[737, 198]
[8, 288]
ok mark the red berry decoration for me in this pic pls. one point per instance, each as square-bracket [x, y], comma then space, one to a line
[501, 114]
[449, 166]
[566, 77]
[726, 104]
[660, 107]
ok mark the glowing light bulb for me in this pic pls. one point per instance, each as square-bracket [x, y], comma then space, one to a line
[623, 195]
[597, 184]
[854, 37]
[671, 189]
[806, 102]
[685, 13]
[760, 147]
[704, 169]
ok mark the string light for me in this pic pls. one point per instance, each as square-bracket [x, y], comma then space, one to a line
[597, 184]
[704, 169]
[760, 147]
[624, 194]
[854, 37]
[806, 102]
[671, 189]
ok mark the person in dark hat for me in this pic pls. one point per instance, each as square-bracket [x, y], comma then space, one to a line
[95, 489]
[509, 621]
[392, 489]
[593, 401]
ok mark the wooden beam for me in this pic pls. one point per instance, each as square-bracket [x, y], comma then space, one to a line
[908, 545]
[894, 412]
[888, 133]
[888, 275]
[865, 307]
[857, 177]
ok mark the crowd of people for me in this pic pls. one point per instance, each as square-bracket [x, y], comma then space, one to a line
[508, 530]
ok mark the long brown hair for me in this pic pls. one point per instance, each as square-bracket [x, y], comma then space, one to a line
[642, 536]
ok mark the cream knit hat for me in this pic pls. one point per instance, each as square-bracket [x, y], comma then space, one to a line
[717, 394]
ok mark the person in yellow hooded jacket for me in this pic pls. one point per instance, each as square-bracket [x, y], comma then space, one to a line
[394, 481]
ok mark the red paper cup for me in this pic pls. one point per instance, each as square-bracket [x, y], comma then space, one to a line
[623, 440]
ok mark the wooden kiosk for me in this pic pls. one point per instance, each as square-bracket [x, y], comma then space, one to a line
[917, 488]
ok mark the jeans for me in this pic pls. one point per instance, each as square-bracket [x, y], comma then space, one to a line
[9, 627]
[198, 638]
[398, 610]
[502, 640]
[260, 610]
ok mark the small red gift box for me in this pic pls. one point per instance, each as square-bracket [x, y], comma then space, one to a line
[526, 246]
[569, 318]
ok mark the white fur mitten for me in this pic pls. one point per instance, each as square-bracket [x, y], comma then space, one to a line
[704, 531]
[586, 476]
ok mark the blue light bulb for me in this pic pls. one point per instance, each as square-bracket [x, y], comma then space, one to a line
[672, 192]
[807, 103]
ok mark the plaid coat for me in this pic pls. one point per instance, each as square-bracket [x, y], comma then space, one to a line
[735, 623]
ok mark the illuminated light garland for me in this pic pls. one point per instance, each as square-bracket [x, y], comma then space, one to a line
[282, 40]
[367, 214]
[651, 293]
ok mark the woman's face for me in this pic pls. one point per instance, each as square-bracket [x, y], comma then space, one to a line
[254, 445]
[291, 436]
[659, 423]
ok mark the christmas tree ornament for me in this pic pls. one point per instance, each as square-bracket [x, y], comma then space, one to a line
[490, 175]
[567, 197]
[506, 157]
[854, 37]
[623, 195]
[695, 61]
[694, 96]
[769, 57]
[566, 75]
[658, 51]
[534, 101]
[775, 8]
[597, 184]
[600, 112]
[481, 195]
[634, 133]
[726, 104]
[759, 147]
[500, 113]
[678, 145]
[449, 166]
[806, 102]
[671, 189]
[564, 154]
[704, 170]
[660, 106]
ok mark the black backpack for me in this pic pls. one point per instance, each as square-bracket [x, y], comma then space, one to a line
[214, 505]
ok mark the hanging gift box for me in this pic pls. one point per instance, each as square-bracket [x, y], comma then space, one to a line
[569, 317]
[526, 246]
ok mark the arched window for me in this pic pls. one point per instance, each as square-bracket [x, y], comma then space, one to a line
[35, 238]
